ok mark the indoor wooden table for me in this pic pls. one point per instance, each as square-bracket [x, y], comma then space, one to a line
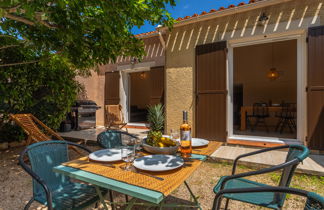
[139, 186]
[249, 109]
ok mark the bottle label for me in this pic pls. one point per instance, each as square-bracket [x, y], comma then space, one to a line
[185, 135]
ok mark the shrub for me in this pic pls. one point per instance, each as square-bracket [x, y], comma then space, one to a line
[46, 89]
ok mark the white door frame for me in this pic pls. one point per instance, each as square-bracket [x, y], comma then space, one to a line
[125, 89]
[300, 36]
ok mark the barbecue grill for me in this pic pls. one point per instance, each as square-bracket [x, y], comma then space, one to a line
[84, 114]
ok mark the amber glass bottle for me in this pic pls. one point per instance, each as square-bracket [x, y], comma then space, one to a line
[185, 137]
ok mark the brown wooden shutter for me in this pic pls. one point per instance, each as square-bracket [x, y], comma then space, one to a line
[315, 88]
[211, 91]
[157, 85]
[111, 88]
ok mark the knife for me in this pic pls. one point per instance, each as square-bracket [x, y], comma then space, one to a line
[146, 174]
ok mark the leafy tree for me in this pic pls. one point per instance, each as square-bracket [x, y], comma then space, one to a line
[45, 44]
[46, 88]
[84, 32]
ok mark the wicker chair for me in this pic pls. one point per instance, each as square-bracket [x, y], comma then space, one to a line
[36, 130]
[114, 117]
[54, 190]
[313, 202]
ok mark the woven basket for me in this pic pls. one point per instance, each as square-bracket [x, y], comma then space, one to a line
[160, 150]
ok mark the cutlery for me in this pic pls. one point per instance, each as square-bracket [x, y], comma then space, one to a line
[109, 165]
[146, 174]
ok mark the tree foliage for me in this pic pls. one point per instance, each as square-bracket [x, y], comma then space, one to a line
[45, 44]
[46, 89]
[84, 32]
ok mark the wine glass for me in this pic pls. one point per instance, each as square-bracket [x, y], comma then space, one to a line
[174, 134]
[128, 156]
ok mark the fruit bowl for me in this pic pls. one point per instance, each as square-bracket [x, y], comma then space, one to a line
[160, 150]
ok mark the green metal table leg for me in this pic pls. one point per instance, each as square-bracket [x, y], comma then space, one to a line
[131, 204]
[192, 195]
[101, 198]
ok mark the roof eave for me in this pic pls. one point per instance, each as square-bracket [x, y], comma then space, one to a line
[147, 35]
[225, 12]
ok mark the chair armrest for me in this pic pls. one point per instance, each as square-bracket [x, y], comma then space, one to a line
[254, 153]
[262, 171]
[256, 189]
[37, 178]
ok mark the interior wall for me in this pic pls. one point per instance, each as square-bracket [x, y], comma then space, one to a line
[140, 90]
[251, 65]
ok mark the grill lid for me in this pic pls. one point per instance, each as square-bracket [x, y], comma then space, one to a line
[86, 104]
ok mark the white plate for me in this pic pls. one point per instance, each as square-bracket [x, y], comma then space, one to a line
[106, 155]
[197, 142]
[158, 162]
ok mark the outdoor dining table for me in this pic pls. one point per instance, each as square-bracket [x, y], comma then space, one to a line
[138, 185]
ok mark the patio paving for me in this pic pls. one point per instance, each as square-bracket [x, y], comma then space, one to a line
[313, 165]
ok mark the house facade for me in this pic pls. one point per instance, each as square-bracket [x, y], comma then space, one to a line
[220, 65]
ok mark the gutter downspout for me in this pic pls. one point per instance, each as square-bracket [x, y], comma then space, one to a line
[160, 36]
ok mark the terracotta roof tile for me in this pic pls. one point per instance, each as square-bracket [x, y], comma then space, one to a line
[146, 33]
[204, 13]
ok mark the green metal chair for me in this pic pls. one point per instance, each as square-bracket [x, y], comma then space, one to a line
[313, 202]
[54, 190]
[113, 138]
[295, 155]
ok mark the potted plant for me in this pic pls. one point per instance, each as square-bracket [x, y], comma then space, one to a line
[155, 142]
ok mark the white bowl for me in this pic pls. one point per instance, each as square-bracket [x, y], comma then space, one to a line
[160, 150]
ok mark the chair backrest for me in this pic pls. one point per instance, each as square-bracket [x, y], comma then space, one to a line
[289, 110]
[113, 114]
[109, 139]
[260, 110]
[113, 138]
[43, 156]
[295, 153]
[34, 127]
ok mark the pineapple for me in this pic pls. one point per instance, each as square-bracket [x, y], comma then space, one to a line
[155, 118]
